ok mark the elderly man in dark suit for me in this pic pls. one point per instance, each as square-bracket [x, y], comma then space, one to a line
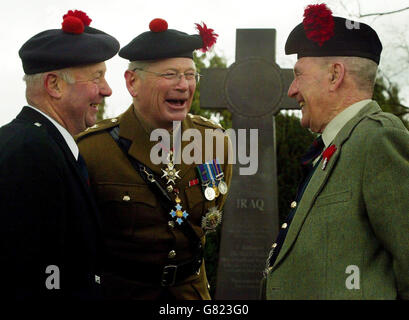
[50, 238]
[347, 234]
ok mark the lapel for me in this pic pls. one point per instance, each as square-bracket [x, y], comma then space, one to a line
[30, 115]
[131, 128]
[320, 177]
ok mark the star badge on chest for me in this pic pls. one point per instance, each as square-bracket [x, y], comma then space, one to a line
[178, 214]
[170, 172]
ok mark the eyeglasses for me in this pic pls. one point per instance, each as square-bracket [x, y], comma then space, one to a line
[175, 76]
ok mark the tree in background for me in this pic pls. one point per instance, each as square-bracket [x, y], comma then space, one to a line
[386, 94]
[223, 116]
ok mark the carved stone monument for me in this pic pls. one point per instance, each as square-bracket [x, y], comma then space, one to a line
[254, 89]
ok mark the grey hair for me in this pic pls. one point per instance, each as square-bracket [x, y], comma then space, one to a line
[135, 65]
[34, 83]
[34, 79]
[362, 70]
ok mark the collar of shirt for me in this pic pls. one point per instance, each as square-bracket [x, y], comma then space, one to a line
[66, 135]
[340, 120]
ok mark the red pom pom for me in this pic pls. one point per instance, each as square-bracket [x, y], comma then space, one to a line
[158, 25]
[318, 23]
[72, 25]
[80, 15]
[208, 36]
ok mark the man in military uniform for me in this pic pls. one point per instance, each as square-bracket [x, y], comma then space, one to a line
[155, 215]
[50, 232]
[347, 234]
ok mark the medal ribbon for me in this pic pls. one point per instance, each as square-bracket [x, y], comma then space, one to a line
[203, 174]
[210, 171]
[219, 172]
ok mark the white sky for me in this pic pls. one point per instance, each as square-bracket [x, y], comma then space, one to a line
[125, 19]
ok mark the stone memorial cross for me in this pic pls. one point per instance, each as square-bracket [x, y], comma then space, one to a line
[254, 89]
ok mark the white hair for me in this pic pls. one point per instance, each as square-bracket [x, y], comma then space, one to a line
[34, 79]
[362, 70]
[34, 82]
[137, 66]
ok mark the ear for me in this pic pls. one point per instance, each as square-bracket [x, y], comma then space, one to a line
[336, 75]
[53, 85]
[132, 80]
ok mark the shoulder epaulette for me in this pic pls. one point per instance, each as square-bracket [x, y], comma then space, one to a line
[202, 121]
[99, 126]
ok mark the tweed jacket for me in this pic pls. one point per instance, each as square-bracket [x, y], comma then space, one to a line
[350, 234]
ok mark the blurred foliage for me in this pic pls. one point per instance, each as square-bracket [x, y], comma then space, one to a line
[292, 141]
[387, 96]
[223, 116]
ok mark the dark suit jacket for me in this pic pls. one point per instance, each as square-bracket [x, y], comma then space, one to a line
[47, 215]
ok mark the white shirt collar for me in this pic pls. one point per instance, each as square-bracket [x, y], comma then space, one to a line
[340, 120]
[66, 135]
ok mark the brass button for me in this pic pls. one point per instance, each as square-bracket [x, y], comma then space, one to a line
[284, 226]
[293, 204]
[37, 124]
[126, 198]
[274, 245]
[114, 120]
[171, 224]
[172, 254]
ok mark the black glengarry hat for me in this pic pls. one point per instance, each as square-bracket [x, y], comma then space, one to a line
[75, 44]
[322, 35]
[161, 42]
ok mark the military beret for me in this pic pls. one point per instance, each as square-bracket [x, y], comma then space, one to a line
[161, 42]
[322, 35]
[76, 43]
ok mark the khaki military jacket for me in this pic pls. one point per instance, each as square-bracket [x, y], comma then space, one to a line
[135, 226]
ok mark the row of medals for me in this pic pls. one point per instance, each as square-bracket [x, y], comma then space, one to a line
[211, 191]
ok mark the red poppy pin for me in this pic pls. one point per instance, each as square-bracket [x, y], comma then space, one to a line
[327, 154]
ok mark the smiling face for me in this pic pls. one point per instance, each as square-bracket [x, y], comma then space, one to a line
[310, 88]
[80, 100]
[161, 101]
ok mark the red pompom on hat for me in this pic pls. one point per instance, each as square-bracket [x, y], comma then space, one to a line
[158, 25]
[75, 22]
[80, 15]
[318, 23]
[208, 36]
